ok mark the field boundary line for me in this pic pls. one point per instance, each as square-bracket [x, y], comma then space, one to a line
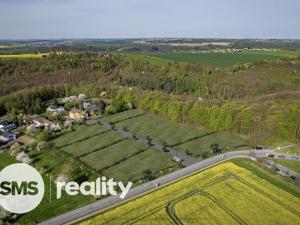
[101, 148]
[83, 139]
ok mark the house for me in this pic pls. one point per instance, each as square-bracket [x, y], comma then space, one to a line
[7, 137]
[76, 114]
[86, 105]
[91, 107]
[38, 121]
[54, 108]
[7, 126]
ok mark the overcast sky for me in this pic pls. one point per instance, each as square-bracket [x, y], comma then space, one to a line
[149, 18]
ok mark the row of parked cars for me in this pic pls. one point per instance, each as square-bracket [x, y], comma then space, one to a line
[281, 170]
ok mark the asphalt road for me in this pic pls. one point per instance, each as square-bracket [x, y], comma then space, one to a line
[112, 201]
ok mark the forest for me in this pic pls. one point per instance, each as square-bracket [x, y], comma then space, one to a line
[242, 99]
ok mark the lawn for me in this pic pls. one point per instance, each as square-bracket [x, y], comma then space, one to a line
[294, 150]
[48, 209]
[6, 159]
[113, 154]
[94, 143]
[226, 194]
[108, 152]
[222, 60]
[80, 133]
[183, 138]
[132, 169]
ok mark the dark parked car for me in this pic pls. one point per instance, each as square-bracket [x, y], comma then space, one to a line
[271, 155]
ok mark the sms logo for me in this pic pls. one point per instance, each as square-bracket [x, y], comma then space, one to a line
[21, 188]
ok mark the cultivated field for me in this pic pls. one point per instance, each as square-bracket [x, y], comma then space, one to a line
[224, 194]
[25, 56]
[183, 138]
[222, 60]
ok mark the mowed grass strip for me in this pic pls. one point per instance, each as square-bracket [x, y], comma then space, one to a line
[119, 117]
[184, 138]
[80, 132]
[113, 154]
[92, 144]
[160, 129]
[132, 169]
[200, 145]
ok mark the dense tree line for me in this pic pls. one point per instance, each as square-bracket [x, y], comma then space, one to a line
[272, 120]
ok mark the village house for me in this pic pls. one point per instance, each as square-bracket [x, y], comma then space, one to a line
[91, 107]
[54, 108]
[7, 137]
[76, 114]
[40, 122]
[7, 126]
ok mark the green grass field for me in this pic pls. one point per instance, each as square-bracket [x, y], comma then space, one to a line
[107, 157]
[78, 135]
[159, 61]
[46, 209]
[106, 151]
[221, 60]
[158, 162]
[183, 138]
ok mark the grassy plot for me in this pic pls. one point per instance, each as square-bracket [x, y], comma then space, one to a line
[202, 144]
[92, 144]
[222, 60]
[6, 159]
[113, 154]
[57, 206]
[223, 192]
[151, 59]
[109, 152]
[132, 169]
[80, 133]
[183, 138]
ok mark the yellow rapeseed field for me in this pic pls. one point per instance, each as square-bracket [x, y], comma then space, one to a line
[226, 194]
[25, 56]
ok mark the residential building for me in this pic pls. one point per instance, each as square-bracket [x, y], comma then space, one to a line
[7, 137]
[76, 114]
[7, 126]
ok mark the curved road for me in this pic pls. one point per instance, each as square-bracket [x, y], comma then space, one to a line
[112, 201]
